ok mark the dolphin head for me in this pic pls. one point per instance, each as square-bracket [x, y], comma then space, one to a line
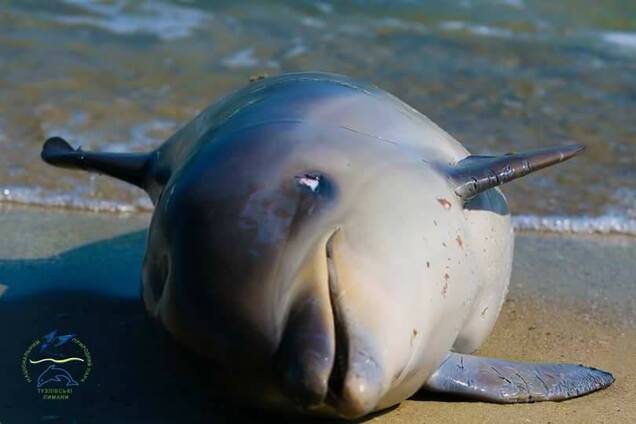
[303, 263]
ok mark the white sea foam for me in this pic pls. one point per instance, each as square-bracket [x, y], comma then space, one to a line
[71, 200]
[401, 24]
[144, 134]
[322, 6]
[298, 48]
[475, 29]
[241, 59]
[517, 4]
[163, 20]
[606, 224]
[624, 40]
[312, 22]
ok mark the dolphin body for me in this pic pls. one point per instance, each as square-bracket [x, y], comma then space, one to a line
[332, 250]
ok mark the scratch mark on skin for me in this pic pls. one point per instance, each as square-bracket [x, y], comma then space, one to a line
[547, 390]
[444, 361]
[500, 375]
[483, 312]
[461, 363]
[460, 242]
[369, 135]
[257, 77]
[525, 384]
[445, 203]
[368, 359]
[445, 287]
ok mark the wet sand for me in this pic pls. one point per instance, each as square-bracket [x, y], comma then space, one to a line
[571, 300]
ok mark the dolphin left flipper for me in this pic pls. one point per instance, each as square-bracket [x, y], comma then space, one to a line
[500, 381]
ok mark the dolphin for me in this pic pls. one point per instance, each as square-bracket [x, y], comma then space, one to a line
[55, 374]
[330, 250]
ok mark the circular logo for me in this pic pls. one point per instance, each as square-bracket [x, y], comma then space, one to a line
[56, 364]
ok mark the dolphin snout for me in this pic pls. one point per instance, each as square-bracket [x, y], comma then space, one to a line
[324, 361]
[318, 367]
[362, 390]
[356, 380]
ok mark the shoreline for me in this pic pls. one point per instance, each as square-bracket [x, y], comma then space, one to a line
[611, 225]
[570, 300]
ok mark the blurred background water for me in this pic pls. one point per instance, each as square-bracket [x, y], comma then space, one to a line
[499, 75]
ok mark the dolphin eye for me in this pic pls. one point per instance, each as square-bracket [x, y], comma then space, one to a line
[311, 181]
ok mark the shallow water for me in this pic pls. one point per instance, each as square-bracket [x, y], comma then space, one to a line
[499, 75]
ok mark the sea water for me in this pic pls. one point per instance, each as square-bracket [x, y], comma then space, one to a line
[499, 75]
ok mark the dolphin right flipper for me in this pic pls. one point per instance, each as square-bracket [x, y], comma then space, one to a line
[500, 381]
[129, 167]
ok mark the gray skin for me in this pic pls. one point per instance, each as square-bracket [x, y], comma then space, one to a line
[331, 250]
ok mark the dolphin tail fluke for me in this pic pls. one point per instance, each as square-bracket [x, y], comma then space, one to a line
[476, 174]
[129, 167]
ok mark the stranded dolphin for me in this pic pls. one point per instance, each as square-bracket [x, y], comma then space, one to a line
[332, 249]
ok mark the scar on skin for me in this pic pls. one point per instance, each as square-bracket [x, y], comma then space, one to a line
[445, 203]
[445, 288]
[258, 77]
[460, 242]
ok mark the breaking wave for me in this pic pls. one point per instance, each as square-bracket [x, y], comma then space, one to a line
[605, 224]
[36, 196]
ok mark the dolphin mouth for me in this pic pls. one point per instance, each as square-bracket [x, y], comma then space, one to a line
[341, 375]
[341, 357]
[356, 382]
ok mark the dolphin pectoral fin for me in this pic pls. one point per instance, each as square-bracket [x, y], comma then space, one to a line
[476, 174]
[499, 381]
[129, 167]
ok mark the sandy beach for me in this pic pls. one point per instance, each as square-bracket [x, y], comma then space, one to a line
[123, 76]
[571, 300]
